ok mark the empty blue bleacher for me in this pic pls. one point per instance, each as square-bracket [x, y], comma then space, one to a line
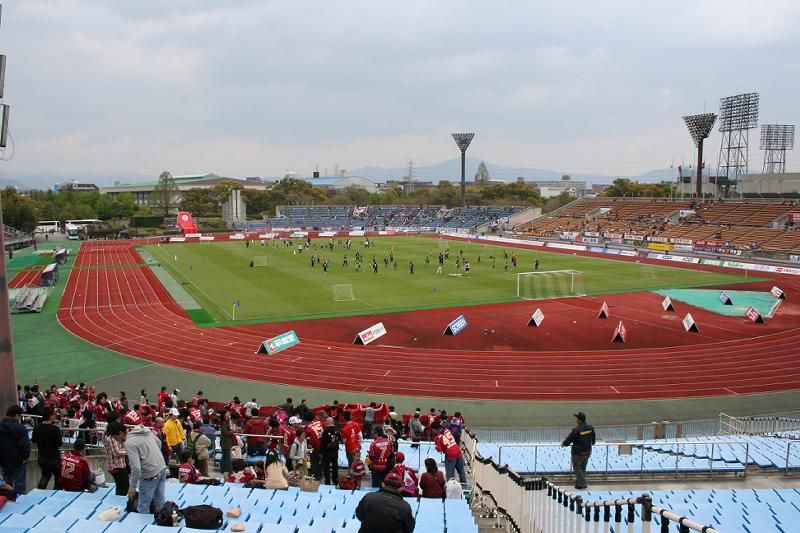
[328, 511]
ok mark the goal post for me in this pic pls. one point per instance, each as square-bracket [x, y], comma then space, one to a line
[343, 292]
[260, 261]
[549, 284]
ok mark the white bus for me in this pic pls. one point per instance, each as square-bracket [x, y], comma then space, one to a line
[48, 226]
[83, 222]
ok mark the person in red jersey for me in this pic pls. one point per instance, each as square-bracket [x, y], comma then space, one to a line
[256, 426]
[407, 475]
[132, 418]
[195, 416]
[289, 434]
[351, 433]
[76, 476]
[454, 460]
[101, 407]
[197, 398]
[187, 473]
[381, 457]
[314, 431]
[162, 397]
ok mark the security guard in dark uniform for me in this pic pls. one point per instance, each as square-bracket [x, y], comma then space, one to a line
[581, 438]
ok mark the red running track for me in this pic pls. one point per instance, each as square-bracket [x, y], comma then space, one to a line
[127, 310]
[28, 276]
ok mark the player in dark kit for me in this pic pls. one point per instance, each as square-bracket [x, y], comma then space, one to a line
[410, 267]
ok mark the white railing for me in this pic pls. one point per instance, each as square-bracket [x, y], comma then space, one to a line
[757, 425]
[539, 506]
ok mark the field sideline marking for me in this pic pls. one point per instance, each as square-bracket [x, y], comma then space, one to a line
[214, 303]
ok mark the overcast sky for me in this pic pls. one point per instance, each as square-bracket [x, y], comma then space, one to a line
[255, 87]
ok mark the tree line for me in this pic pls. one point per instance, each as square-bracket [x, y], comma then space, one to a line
[23, 211]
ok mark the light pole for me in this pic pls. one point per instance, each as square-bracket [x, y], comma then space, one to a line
[699, 127]
[463, 140]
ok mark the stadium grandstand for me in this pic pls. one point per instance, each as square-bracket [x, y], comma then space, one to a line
[724, 226]
[504, 489]
[379, 218]
[14, 238]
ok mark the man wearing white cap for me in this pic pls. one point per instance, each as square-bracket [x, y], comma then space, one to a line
[173, 429]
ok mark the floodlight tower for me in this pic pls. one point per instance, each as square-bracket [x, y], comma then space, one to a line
[775, 140]
[700, 127]
[463, 140]
[737, 116]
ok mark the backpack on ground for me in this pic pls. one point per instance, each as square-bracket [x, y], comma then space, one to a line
[169, 515]
[202, 516]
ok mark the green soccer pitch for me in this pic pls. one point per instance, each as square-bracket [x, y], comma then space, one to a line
[217, 274]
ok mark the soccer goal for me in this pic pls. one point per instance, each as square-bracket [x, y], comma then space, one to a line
[260, 261]
[549, 284]
[343, 292]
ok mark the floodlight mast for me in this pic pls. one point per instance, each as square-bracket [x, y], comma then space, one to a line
[775, 140]
[738, 114]
[700, 127]
[463, 140]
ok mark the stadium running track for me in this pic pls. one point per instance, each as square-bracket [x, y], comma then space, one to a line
[112, 299]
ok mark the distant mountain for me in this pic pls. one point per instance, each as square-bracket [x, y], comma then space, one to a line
[451, 170]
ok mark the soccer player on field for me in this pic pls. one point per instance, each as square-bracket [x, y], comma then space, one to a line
[410, 267]
[536, 265]
[344, 261]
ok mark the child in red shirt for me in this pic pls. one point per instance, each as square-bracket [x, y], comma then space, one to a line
[187, 473]
[357, 469]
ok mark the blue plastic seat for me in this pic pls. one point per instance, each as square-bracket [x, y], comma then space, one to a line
[22, 520]
[89, 526]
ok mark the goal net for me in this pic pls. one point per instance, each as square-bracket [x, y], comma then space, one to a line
[549, 284]
[260, 261]
[343, 292]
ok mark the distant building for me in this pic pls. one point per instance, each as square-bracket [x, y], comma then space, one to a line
[769, 185]
[566, 184]
[340, 183]
[599, 188]
[142, 191]
[76, 186]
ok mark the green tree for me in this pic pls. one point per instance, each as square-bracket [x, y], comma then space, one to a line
[165, 197]
[127, 204]
[19, 211]
[106, 207]
[557, 201]
[200, 202]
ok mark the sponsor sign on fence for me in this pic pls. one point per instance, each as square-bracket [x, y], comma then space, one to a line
[192, 235]
[177, 239]
[267, 235]
[794, 258]
[565, 246]
[281, 342]
[664, 247]
[456, 326]
[299, 235]
[370, 334]
[236, 237]
[536, 318]
[327, 234]
[675, 258]
[207, 238]
[358, 233]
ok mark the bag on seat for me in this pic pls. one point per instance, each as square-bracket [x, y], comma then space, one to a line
[202, 516]
[169, 514]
